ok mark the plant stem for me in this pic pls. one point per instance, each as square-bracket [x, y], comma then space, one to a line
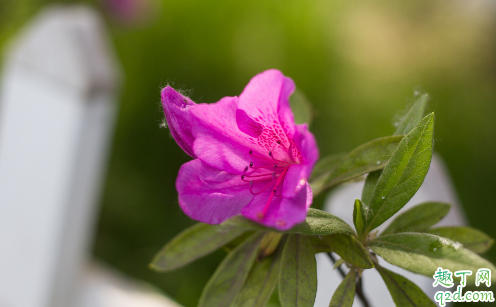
[359, 288]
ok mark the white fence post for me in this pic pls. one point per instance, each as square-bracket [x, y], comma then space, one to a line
[57, 104]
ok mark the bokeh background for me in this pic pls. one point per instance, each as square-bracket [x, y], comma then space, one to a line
[359, 62]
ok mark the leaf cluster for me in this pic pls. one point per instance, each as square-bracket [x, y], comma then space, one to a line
[261, 259]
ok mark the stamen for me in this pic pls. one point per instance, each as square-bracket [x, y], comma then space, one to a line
[271, 160]
[264, 167]
[280, 161]
[259, 179]
[261, 175]
[280, 179]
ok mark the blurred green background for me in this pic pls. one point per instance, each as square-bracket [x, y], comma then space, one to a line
[359, 62]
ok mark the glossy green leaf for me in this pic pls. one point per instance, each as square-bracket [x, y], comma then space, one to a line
[350, 249]
[413, 117]
[260, 283]
[298, 273]
[345, 293]
[403, 291]
[364, 159]
[418, 218]
[301, 107]
[224, 285]
[472, 239]
[423, 253]
[359, 217]
[369, 186]
[317, 222]
[193, 243]
[403, 174]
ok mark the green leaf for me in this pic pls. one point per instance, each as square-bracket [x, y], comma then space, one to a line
[403, 174]
[423, 253]
[260, 283]
[326, 164]
[301, 107]
[269, 243]
[345, 293]
[350, 249]
[193, 243]
[413, 117]
[319, 244]
[418, 218]
[321, 171]
[298, 273]
[338, 263]
[472, 239]
[224, 285]
[359, 217]
[364, 159]
[369, 186]
[317, 222]
[403, 291]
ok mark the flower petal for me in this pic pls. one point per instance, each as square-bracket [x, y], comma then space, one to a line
[268, 92]
[225, 132]
[282, 213]
[210, 195]
[177, 110]
[266, 100]
[298, 174]
[247, 125]
[218, 140]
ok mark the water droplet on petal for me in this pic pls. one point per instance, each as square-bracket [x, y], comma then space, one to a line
[302, 181]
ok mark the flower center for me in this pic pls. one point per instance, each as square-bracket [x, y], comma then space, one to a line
[270, 170]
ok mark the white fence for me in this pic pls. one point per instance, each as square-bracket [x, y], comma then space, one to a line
[57, 108]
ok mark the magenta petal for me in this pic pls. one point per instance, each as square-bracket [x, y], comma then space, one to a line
[210, 195]
[218, 140]
[307, 145]
[267, 92]
[177, 110]
[284, 108]
[298, 174]
[294, 210]
[247, 125]
[266, 97]
[295, 180]
[282, 213]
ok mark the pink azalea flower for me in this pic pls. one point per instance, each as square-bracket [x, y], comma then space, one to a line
[250, 157]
